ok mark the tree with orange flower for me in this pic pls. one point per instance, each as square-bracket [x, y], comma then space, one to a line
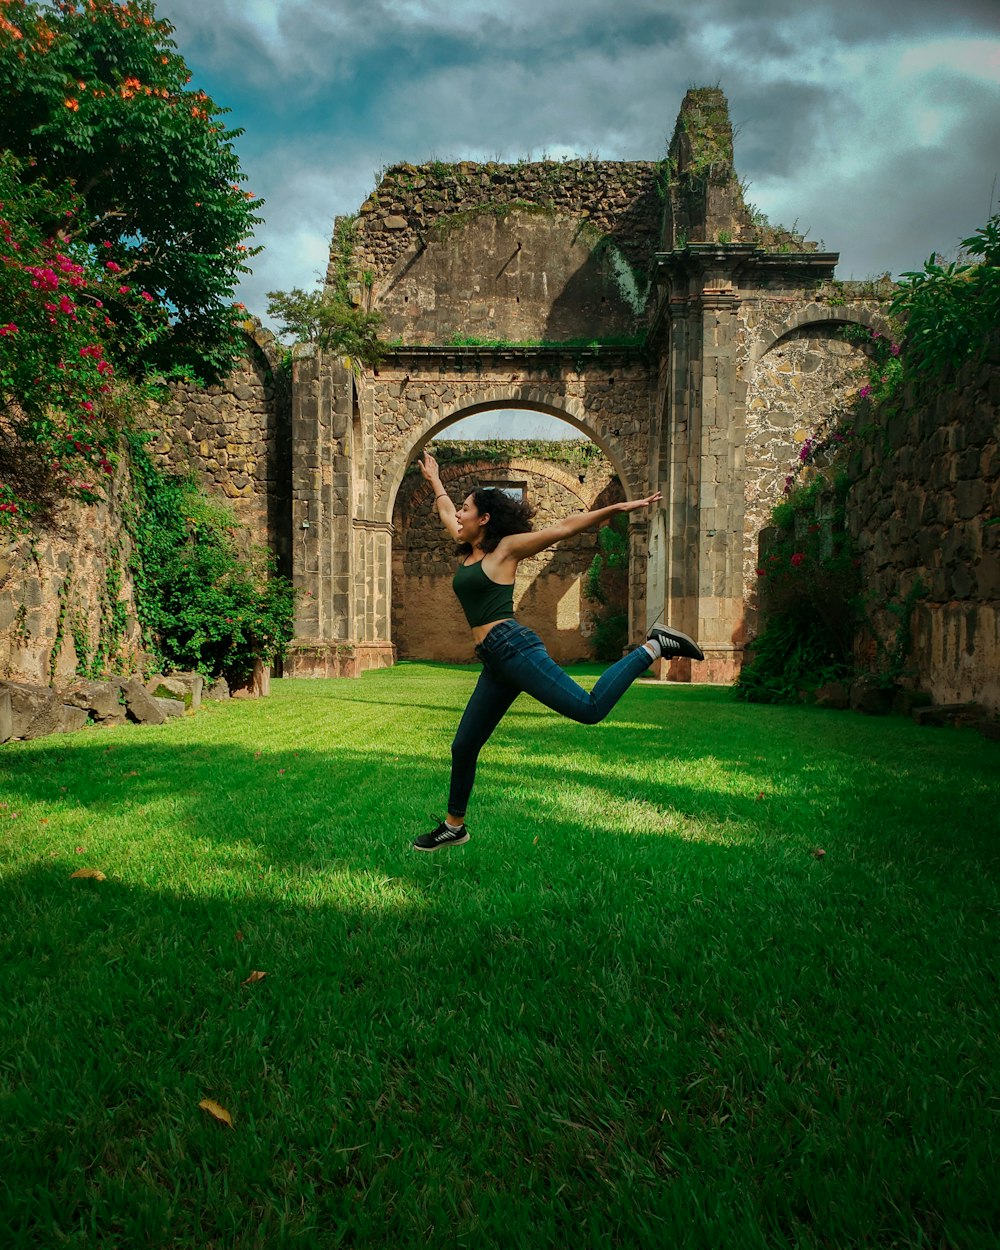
[95, 95]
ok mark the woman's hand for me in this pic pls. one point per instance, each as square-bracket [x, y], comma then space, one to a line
[632, 505]
[428, 466]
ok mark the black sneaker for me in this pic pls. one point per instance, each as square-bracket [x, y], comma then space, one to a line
[674, 644]
[441, 836]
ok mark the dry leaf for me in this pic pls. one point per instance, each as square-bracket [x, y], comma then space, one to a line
[216, 1112]
[89, 872]
[818, 853]
[44, 821]
[239, 935]
[81, 850]
[535, 841]
[253, 978]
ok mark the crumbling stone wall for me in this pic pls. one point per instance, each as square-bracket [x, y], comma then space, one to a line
[802, 375]
[558, 479]
[621, 201]
[924, 508]
[67, 598]
[235, 437]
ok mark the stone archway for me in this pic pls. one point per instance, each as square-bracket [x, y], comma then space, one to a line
[638, 300]
[550, 590]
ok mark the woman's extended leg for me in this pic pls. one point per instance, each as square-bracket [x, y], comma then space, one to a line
[486, 708]
[532, 669]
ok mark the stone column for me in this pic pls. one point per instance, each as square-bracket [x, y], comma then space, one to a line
[322, 396]
[701, 463]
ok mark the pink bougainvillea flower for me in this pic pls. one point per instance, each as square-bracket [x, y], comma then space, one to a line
[8, 329]
[112, 267]
[797, 558]
[865, 392]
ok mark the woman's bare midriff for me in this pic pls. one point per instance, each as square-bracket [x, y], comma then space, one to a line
[479, 632]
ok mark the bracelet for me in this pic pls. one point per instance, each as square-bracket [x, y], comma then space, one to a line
[443, 495]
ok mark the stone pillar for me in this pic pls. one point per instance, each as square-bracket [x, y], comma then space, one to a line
[701, 464]
[322, 396]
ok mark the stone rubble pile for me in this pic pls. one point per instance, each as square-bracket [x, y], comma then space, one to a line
[28, 711]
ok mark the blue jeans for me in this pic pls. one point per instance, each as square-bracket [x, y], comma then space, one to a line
[514, 661]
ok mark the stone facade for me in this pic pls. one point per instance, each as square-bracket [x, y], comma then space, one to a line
[427, 622]
[924, 508]
[66, 599]
[236, 440]
[641, 302]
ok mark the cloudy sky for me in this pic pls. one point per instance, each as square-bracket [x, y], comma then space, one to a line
[874, 126]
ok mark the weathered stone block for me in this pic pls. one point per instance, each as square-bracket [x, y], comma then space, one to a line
[161, 687]
[140, 705]
[217, 691]
[833, 695]
[101, 699]
[868, 695]
[194, 685]
[171, 708]
[35, 710]
[72, 719]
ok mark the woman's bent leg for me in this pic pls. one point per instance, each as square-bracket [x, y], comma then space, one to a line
[486, 708]
[537, 674]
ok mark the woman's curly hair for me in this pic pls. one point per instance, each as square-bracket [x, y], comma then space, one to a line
[507, 516]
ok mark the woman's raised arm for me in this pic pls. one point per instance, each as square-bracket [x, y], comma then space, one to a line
[521, 546]
[428, 466]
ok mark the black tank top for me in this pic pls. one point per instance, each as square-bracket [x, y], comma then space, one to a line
[482, 599]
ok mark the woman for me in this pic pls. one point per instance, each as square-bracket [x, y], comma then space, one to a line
[494, 535]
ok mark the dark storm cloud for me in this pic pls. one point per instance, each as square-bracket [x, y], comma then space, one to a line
[883, 157]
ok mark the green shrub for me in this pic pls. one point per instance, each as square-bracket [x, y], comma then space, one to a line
[203, 602]
[809, 600]
[606, 584]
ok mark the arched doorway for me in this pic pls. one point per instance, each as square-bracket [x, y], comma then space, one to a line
[558, 471]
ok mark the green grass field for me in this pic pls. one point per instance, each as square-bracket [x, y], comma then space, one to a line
[635, 1010]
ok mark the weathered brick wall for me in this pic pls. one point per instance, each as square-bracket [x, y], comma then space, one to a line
[66, 596]
[802, 375]
[236, 439]
[427, 621]
[927, 488]
[619, 199]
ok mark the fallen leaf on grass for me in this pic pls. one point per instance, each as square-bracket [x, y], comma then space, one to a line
[760, 796]
[253, 978]
[280, 771]
[239, 935]
[535, 841]
[44, 821]
[89, 872]
[818, 853]
[81, 850]
[216, 1112]
[132, 774]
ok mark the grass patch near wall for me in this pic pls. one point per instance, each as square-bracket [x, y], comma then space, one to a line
[637, 1009]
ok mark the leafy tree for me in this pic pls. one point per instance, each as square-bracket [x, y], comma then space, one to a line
[329, 321]
[950, 308]
[61, 389]
[606, 584]
[206, 602]
[96, 94]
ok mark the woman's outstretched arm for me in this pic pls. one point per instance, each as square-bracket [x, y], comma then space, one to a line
[428, 466]
[521, 546]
